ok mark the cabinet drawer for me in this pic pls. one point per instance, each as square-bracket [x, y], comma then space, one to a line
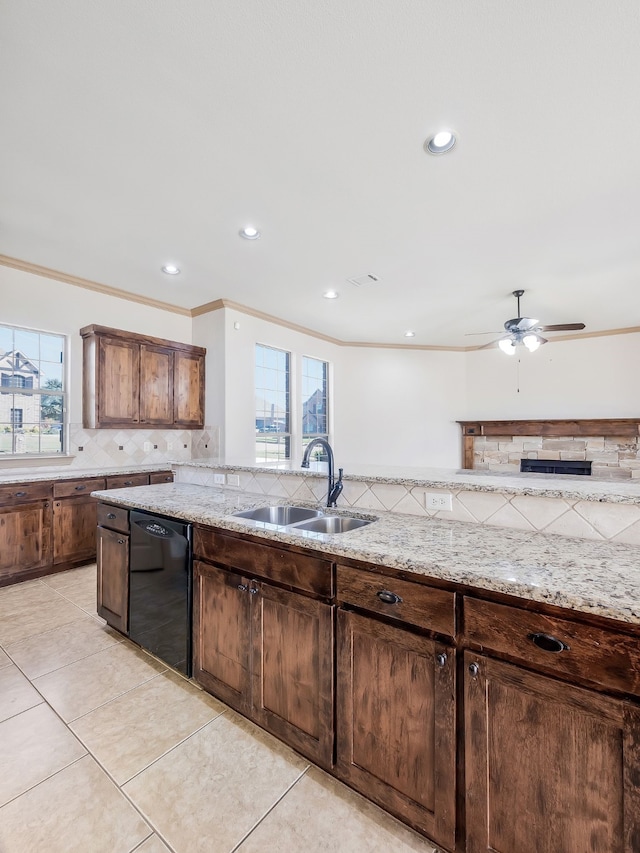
[301, 571]
[122, 481]
[25, 492]
[72, 488]
[114, 517]
[424, 606]
[557, 645]
[160, 477]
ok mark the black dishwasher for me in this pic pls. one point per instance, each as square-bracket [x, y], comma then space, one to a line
[160, 588]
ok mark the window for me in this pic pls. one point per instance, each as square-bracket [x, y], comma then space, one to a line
[32, 418]
[273, 404]
[315, 396]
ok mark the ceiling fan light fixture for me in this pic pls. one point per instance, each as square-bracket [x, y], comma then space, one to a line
[507, 345]
[532, 342]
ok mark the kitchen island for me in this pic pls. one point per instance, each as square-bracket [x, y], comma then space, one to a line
[486, 682]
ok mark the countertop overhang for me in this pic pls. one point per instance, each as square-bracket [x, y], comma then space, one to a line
[599, 578]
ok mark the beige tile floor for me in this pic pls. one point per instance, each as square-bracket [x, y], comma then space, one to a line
[105, 750]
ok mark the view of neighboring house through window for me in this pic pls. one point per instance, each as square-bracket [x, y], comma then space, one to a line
[315, 396]
[31, 418]
[273, 404]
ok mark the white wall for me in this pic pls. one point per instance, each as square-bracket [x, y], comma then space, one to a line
[52, 306]
[396, 407]
[588, 378]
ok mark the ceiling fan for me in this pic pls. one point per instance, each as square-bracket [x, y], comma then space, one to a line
[526, 331]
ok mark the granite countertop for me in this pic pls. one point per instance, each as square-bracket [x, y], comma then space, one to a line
[569, 486]
[23, 475]
[593, 577]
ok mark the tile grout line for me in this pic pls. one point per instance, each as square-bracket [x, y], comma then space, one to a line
[270, 809]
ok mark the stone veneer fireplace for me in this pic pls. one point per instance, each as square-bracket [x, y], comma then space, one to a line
[611, 445]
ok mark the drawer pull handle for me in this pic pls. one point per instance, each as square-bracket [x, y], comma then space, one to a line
[111, 515]
[474, 669]
[21, 494]
[548, 643]
[121, 541]
[128, 482]
[242, 587]
[441, 659]
[80, 488]
[388, 597]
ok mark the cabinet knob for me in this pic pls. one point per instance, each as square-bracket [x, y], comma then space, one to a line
[388, 597]
[80, 488]
[474, 670]
[441, 659]
[128, 482]
[254, 590]
[242, 587]
[111, 515]
[548, 643]
[121, 541]
[46, 505]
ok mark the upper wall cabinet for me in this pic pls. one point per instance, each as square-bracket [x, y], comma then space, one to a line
[133, 381]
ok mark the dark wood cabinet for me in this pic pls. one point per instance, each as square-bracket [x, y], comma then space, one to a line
[160, 477]
[113, 568]
[550, 768]
[396, 721]
[221, 634]
[74, 521]
[25, 534]
[135, 381]
[265, 650]
[292, 669]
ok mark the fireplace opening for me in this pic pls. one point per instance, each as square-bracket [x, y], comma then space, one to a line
[555, 466]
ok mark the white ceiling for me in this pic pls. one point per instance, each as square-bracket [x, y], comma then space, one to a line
[137, 132]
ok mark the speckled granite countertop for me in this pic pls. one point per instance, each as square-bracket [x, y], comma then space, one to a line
[548, 485]
[23, 475]
[592, 577]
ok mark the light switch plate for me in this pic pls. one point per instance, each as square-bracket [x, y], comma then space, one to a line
[219, 479]
[233, 479]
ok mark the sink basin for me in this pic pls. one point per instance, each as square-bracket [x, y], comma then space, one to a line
[332, 524]
[280, 515]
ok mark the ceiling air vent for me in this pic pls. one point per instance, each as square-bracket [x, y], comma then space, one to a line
[361, 280]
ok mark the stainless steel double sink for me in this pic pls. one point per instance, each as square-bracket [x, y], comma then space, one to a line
[299, 518]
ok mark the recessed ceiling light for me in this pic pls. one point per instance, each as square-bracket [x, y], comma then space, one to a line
[409, 334]
[441, 142]
[250, 233]
[170, 269]
[331, 294]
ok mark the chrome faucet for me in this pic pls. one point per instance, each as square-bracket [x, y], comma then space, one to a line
[335, 486]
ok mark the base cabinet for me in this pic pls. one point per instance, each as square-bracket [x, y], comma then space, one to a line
[25, 540]
[550, 768]
[396, 722]
[113, 577]
[268, 653]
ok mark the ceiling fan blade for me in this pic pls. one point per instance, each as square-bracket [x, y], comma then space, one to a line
[492, 332]
[562, 327]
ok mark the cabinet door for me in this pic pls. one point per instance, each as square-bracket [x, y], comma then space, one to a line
[221, 634]
[550, 768]
[396, 722]
[292, 669]
[74, 529]
[156, 385]
[113, 578]
[118, 392]
[25, 540]
[188, 389]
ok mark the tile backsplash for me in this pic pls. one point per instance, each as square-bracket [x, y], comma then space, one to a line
[105, 448]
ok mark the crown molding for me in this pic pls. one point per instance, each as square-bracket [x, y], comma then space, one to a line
[76, 281]
[218, 304]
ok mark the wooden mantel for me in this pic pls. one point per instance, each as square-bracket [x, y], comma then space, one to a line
[628, 427]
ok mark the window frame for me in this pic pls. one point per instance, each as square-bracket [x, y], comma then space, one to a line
[26, 390]
[285, 438]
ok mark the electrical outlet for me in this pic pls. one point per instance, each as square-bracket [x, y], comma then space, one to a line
[218, 479]
[233, 479]
[439, 500]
